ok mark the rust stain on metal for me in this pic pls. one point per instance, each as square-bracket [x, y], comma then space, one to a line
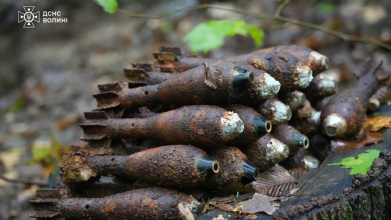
[179, 166]
[234, 168]
[344, 113]
[266, 152]
[186, 85]
[255, 125]
[148, 203]
[186, 125]
[290, 136]
[291, 65]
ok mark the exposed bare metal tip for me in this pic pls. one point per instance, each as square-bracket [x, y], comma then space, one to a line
[282, 112]
[276, 151]
[215, 166]
[232, 125]
[271, 88]
[304, 78]
[268, 126]
[306, 142]
[295, 100]
[328, 86]
[207, 165]
[318, 61]
[334, 125]
[373, 104]
[310, 162]
[315, 117]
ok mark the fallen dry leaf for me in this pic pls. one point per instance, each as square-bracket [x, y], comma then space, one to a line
[228, 204]
[364, 136]
[378, 123]
[298, 172]
[342, 145]
[274, 181]
[10, 158]
[260, 203]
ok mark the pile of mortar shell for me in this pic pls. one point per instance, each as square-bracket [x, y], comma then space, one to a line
[184, 127]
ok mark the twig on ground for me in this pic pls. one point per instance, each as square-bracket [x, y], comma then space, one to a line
[24, 181]
[276, 16]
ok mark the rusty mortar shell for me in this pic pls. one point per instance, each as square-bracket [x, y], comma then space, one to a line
[147, 77]
[381, 96]
[148, 203]
[345, 112]
[106, 186]
[306, 120]
[263, 88]
[255, 125]
[303, 159]
[266, 152]
[295, 100]
[321, 86]
[211, 83]
[285, 68]
[234, 168]
[179, 166]
[274, 110]
[292, 65]
[201, 126]
[288, 135]
[316, 61]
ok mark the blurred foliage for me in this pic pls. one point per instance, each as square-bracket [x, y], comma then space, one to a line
[17, 105]
[329, 6]
[210, 35]
[47, 154]
[109, 6]
[166, 27]
[326, 7]
[362, 164]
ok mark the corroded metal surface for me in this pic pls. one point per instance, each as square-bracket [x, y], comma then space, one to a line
[274, 110]
[291, 65]
[266, 152]
[234, 168]
[302, 159]
[344, 113]
[295, 100]
[211, 83]
[178, 166]
[255, 125]
[290, 136]
[320, 87]
[201, 126]
[306, 120]
[148, 203]
[381, 96]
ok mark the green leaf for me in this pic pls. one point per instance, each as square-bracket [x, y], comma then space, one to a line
[110, 6]
[17, 105]
[256, 34]
[361, 164]
[325, 7]
[210, 35]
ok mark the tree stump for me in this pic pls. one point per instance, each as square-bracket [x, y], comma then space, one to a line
[329, 192]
